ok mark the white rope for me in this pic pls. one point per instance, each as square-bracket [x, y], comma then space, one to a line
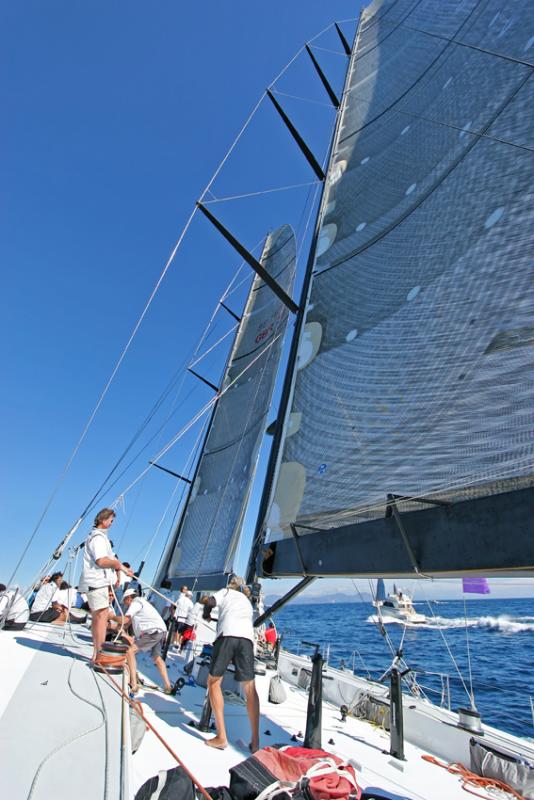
[185, 469]
[196, 417]
[203, 355]
[305, 99]
[266, 191]
[327, 50]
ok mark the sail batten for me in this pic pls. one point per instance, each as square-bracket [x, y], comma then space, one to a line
[415, 373]
[207, 533]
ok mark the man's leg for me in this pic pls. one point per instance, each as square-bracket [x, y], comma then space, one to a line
[132, 667]
[253, 711]
[217, 706]
[99, 623]
[162, 669]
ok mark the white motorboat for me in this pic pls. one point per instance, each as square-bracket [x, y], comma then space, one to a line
[398, 605]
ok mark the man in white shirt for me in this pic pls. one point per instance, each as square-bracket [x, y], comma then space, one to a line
[99, 573]
[184, 604]
[14, 610]
[234, 643]
[44, 607]
[149, 631]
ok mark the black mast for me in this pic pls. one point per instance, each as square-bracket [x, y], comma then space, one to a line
[290, 368]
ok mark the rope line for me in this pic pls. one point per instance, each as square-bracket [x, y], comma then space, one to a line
[264, 191]
[471, 779]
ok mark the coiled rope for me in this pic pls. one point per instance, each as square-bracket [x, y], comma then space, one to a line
[471, 779]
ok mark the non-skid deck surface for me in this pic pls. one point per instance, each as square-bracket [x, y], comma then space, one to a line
[60, 723]
[358, 741]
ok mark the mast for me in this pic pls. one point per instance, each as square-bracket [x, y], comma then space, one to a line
[287, 387]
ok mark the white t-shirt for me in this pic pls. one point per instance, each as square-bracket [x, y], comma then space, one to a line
[45, 597]
[144, 617]
[97, 545]
[183, 606]
[66, 597]
[235, 614]
[13, 606]
[195, 614]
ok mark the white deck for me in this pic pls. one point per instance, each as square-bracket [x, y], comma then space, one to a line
[355, 740]
[63, 731]
[61, 726]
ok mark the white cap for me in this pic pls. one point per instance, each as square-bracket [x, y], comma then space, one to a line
[129, 593]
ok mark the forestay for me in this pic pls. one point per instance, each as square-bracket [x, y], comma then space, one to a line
[415, 372]
[208, 530]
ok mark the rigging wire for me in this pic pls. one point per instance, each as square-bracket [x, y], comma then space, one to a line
[263, 191]
[304, 99]
[126, 348]
[198, 415]
[469, 657]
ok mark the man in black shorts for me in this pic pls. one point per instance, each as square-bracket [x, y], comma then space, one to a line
[234, 645]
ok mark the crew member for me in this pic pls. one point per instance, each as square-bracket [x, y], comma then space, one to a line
[149, 631]
[234, 643]
[14, 610]
[44, 608]
[99, 573]
[184, 604]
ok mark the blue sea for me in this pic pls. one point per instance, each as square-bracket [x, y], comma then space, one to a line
[501, 644]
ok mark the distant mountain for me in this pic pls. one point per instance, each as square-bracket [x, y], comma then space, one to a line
[336, 597]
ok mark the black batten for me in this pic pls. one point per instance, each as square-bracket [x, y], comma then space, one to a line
[251, 261]
[324, 80]
[312, 161]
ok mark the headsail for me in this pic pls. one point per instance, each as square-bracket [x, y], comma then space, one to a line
[415, 373]
[207, 532]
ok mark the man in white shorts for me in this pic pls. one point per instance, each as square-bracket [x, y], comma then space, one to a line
[99, 573]
[149, 631]
[234, 644]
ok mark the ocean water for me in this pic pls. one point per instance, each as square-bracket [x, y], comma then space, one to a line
[500, 634]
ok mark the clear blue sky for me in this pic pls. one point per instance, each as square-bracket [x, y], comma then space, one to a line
[115, 117]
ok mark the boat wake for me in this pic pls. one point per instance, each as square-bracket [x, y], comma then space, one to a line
[503, 623]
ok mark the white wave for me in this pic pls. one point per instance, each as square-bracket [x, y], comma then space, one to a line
[503, 623]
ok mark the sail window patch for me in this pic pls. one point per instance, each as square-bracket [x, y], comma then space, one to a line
[529, 44]
[447, 82]
[410, 189]
[412, 294]
[364, 160]
[405, 130]
[361, 226]
[309, 346]
[351, 335]
[326, 238]
[494, 217]
[337, 172]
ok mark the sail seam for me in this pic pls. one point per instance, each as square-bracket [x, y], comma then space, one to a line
[455, 163]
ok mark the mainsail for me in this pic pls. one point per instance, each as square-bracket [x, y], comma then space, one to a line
[204, 543]
[415, 369]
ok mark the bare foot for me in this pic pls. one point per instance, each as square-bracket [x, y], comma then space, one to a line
[217, 743]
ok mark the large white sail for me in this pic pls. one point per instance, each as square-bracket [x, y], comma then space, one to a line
[415, 372]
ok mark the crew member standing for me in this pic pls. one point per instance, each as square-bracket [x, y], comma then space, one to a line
[234, 643]
[99, 573]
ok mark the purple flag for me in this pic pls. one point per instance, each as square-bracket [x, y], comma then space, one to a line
[475, 586]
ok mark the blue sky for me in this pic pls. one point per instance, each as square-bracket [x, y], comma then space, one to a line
[116, 116]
